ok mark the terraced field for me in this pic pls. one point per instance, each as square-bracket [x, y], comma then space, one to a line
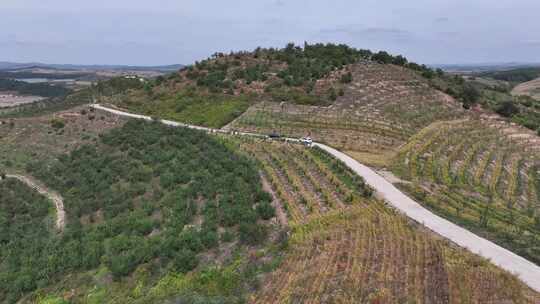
[380, 109]
[482, 174]
[347, 247]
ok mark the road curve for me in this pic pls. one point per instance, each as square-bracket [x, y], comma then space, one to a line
[527, 271]
[53, 196]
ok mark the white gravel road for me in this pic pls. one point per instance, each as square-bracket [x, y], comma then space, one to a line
[527, 271]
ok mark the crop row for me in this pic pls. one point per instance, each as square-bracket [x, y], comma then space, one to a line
[357, 250]
[368, 254]
[477, 177]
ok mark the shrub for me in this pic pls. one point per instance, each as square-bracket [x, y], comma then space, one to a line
[346, 78]
[332, 95]
[57, 123]
[185, 260]
[252, 234]
[266, 211]
[227, 236]
[469, 96]
[507, 108]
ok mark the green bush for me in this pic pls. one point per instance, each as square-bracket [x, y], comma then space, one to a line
[252, 234]
[57, 123]
[507, 109]
[266, 210]
[185, 260]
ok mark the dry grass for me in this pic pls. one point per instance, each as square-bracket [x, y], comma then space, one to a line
[376, 160]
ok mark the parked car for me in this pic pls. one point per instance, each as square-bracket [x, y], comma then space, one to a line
[306, 141]
[274, 135]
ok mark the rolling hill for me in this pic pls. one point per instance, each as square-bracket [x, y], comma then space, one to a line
[170, 215]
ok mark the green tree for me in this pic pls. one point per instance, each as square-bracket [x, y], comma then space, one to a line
[470, 95]
[507, 108]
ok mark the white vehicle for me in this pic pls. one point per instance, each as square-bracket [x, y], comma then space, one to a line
[306, 141]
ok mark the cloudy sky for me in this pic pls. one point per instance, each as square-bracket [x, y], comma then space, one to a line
[143, 32]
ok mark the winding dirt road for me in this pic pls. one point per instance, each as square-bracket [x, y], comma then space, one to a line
[53, 196]
[527, 271]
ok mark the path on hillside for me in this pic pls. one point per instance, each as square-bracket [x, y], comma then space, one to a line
[527, 271]
[53, 196]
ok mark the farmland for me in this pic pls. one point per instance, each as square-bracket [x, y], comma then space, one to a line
[335, 224]
[347, 247]
[161, 214]
[481, 173]
[131, 210]
[380, 109]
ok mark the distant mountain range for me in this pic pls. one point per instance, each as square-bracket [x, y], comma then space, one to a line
[485, 67]
[4, 65]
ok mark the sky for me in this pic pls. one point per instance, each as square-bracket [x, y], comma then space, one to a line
[143, 32]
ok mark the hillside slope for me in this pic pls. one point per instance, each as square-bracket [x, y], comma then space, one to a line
[482, 174]
[164, 215]
[529, 88]
[143, 202]
[348, 247]
[327, 209]
[381, 108]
